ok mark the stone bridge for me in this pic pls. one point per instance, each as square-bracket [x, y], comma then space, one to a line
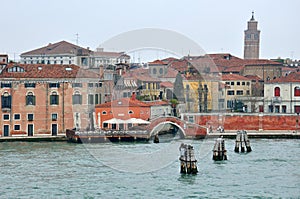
[187, 129]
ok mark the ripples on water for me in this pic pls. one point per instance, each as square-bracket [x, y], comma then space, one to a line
[64, 170]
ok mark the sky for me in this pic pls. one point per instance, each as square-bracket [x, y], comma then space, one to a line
[216, 26]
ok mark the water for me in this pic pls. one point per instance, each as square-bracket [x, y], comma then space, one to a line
[65, 170]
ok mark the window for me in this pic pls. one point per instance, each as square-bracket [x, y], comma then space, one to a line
[243, 84]
[276, 109]
[230, 92]
[30, 99]
[154, 71]
[232, 83]
[104, 112]
[227, 83]
[277, 92]
[297, 109]
[261, 108]
[283, 108]
[113, 126]
[30, 117]
[6, 100]
[230, 103]
[17, 127]
[77, 85]
[239, 92]
[6, 117]
[96, 99]
[271, 108]
[5, 85]
[105, 125]
[248, 83]
[17, 116]
[77, 98]
[90, 85]
[29, 85]
[121, 126]
[91, 99]
[54, 116]
[54, 99]
[238, 83]
[53, 85]
[297, 91]
[248, 92]
[130, 112]
[161, 71]
[191, 119]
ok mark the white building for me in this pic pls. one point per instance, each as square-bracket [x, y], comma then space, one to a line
[100, 57]
[282, 95]
[58, 53]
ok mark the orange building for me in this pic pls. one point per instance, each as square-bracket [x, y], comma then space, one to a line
[41, 99]
[117, 114]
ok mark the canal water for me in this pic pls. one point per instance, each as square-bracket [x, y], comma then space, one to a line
[148, 170]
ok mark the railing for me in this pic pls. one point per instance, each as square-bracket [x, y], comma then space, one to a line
[276, 100]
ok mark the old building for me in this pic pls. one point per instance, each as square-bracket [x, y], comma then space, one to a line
[40, 99]
[61, 52]
[105, 58]
[282, 95]
[237, 89]
[251, 40]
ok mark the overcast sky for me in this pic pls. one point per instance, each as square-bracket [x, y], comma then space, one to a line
[215, 25]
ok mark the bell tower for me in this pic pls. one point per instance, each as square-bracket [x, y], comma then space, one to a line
[251, 40]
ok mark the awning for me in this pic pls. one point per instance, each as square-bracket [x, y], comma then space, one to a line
[114, 121]
[136, 121]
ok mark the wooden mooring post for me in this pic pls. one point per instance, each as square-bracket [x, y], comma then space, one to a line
[219, 151]
[188, 162]
[241, 142]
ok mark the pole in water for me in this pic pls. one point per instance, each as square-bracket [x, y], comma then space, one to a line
[241, 141]
[219, 151]
[188, 162]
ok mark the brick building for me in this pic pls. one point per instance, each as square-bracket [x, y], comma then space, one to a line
[41, 99]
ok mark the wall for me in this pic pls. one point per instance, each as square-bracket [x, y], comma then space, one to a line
[247, 121]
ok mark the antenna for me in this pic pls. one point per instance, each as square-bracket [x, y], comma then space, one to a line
[77, 38]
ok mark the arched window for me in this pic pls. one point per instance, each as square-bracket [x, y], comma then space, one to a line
[77, 98]
[6, 100]
[30, 99]
[297, 91]
[277, 92]
[154, 71]
[54, 99]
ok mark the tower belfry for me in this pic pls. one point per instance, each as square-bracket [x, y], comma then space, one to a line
[251, 40]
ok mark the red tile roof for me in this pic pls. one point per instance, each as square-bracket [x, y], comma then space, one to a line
[123, 102]
[292, 77]
[58, 48]
[47, 71]
[229, 77]
[167, 84]
[157, 62]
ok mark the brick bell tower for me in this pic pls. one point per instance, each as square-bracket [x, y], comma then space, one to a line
[251, 40]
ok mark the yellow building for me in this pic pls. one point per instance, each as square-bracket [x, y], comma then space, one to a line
[208, 87]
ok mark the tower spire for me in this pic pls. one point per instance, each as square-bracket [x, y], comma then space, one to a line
[252, 18]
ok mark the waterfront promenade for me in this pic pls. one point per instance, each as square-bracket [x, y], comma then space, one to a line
[230, 134]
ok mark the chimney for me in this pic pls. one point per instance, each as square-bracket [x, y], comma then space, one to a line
[133, 97]
[101, 71]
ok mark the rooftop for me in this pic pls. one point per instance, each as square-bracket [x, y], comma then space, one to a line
[13, 70]
[62, 47]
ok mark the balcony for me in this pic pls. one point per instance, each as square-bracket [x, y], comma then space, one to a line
[276, 100]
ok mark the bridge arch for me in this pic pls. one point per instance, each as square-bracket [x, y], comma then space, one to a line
[154, 131]
[187, 129]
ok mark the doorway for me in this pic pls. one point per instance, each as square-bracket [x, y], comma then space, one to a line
[54, 129]
[6, 130]
[30, 129]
